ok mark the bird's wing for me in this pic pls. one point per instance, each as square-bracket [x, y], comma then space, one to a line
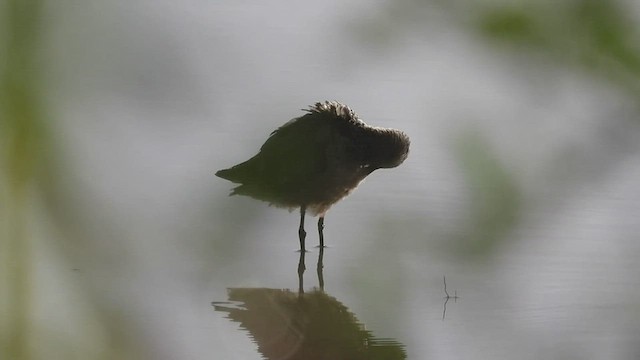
[296, 152]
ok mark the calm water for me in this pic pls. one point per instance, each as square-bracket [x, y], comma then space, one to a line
[520, 189]
[556, 290]
[563, 285]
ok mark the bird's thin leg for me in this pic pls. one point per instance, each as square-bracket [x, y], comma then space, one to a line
[301, 233]
[320, 228]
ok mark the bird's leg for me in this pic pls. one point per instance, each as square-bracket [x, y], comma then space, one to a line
[320, 228]
[301, 233]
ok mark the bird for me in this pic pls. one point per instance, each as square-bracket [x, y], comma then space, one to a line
[315, 160]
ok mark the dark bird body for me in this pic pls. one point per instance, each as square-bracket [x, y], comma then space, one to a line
[315, 160]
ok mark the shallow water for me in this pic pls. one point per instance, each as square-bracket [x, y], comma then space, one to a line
[551, 292]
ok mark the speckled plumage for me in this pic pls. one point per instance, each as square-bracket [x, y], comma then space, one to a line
[315, 160]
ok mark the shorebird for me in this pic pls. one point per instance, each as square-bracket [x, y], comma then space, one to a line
[313, 161]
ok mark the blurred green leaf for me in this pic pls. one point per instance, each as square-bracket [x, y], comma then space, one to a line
[495, 198]
[20, 121]
[512, 25]
[600, 36]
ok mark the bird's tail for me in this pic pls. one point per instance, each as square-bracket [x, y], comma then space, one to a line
[225, 174]
[240, 173]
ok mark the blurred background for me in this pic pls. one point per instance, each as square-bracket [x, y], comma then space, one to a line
[521, 186]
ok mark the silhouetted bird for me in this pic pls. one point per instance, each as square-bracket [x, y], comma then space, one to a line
[315, 160]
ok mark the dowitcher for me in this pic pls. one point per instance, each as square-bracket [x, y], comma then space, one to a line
[315, 160]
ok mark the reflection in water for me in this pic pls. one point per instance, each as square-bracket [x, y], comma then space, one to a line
[455, 297]
[302, 268]
[310, 326]
[313, 325]
[444, 306]
[319, 269]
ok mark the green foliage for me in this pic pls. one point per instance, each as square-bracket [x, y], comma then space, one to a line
[20, 124]
[514, 25]
[599, 35]
[495, 198]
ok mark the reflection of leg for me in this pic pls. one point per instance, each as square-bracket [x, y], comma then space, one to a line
[301, 233]
[301, 269]
[444, 307]
[319, 269]
[320, 228]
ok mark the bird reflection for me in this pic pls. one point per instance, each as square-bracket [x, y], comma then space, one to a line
[319, 270]
[287, 325]
[315, 160]
[309, 326]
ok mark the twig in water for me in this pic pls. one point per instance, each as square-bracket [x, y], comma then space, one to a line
[455, 293]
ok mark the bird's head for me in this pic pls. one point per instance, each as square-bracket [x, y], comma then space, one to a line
[388, 149]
